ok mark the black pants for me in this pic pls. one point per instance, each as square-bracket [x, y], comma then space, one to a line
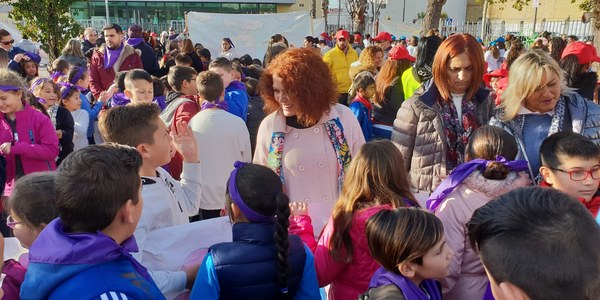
[204, 214]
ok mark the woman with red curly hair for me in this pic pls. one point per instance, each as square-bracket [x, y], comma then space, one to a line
[433, 127]
[308, 139]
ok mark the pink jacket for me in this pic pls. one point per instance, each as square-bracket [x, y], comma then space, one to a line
[467, 278]
[36, 142]
[347, 281]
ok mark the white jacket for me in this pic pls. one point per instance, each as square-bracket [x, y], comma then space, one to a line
[168, 202]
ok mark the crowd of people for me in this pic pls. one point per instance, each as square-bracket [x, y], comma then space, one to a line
[320, 156]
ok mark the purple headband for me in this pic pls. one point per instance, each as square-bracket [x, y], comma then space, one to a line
[78, 75]
[460, 173]
[68, 87]
[7, 88]
[250, 214]
[36, 83]
[41, 100]
[56, 74]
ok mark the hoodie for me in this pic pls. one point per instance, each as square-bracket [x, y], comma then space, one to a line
[84, 266]
[237, 99]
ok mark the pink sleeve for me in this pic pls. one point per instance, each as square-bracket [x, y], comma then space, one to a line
[455, 239]
[328, 269]
[302, 227]
[45, 147]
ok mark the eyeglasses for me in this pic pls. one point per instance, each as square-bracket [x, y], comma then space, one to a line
[10, 222]
[579, 175]
[8, 43]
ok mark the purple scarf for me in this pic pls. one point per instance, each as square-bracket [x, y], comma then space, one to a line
[111, 56]
[488, 293]
[410, 291]
[119, 99]
[460, 173]
[54, 246]
[219, 104]
[134, 41]
[56, 74]
[160, 101]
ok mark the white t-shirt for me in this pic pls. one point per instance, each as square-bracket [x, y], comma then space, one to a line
[493, 63]
[457, 99]
[81, 120]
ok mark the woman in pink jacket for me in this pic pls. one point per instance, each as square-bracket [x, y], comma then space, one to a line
[376, 180]
[27, 137]
[488, 173]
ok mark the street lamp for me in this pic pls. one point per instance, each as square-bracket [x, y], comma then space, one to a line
[107, 16]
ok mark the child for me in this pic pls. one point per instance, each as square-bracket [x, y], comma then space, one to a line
[31, 207]
[571, 164]
[159, 93]
[235, 92]
[183, 60]
[493, 80]
[119, 98]
[70, 100]
[166, 201]
[224, 136]
[29, 67]
[274, 265]
[255, 110]
[62, 120]
[182, 105]
[376, 180]
[138, 86]
[84, 254]
[32, 146]
[489, 171]
[409, 244]
[204, 55]
[60, 68]
[537, 243]
[364, 86]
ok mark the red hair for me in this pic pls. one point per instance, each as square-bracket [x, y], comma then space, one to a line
[450, 48]
[306, 79]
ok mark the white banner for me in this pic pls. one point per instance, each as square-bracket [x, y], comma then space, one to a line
[249, 33]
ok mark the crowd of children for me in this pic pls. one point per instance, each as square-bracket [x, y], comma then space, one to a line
[88, 177]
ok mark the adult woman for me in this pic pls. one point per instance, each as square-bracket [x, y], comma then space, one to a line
[277, 44]
[576, 60]
[320, 136]
[189, 50]
[432, 127]
[556, 47]
[389, 95]
[228, 49]
[516, 49]
[370, 60]
[537, 103]
[72, 53]
[421, 71]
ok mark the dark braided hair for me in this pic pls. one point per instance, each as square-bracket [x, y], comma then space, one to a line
[259, 186]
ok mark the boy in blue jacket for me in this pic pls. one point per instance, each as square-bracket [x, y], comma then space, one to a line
[235, 91]
[84, 254]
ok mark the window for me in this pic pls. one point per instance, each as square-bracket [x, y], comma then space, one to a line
[231, 8]
[247, 8]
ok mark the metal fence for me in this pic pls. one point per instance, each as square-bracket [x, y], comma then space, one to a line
[583, 31]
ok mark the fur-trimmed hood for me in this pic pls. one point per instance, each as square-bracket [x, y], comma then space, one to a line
[495, 188]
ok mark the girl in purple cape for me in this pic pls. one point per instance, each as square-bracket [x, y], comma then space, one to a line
[410, 245]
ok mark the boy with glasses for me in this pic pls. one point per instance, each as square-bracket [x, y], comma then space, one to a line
[571, 164]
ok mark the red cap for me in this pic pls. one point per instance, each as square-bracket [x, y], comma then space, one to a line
[342, 34]
[502, 73]
[324, 34]
[398, 53]
[357, 37]
[585, 53]
[382, 36]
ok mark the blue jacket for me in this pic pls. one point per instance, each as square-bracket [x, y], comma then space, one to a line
[248, 266]
[93, 111]
[237, 99]
[363, 114]
[147, 55]
[84, 266]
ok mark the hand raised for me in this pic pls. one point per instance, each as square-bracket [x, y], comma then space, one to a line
[185, 142]
[298, 208]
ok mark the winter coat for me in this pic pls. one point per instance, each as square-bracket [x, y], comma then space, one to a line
[466, 278]
[36, 143]
[419, 134]
[339, 64]
[100, 78]
[584, 116]
[149, 60]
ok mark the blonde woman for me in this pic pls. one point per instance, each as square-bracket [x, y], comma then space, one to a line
[72, 53]
[370, 60]
[537, 103]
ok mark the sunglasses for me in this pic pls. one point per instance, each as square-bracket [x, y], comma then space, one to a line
[10, 222]
[9, 42]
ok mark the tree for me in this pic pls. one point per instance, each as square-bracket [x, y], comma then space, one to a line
[325, 8]
[47, 21]
[432, 15]
[357, 9]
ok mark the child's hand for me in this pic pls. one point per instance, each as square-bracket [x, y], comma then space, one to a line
[5, 148]
[185, 142]
[298, 209]
[105, 95]
[19, 57]
[59, 134]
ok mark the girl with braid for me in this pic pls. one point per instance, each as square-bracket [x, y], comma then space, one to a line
[263, 261]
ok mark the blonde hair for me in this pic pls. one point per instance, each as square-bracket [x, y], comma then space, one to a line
[73, 47]
[526, 75]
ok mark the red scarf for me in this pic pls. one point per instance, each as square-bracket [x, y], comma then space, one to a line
[593, 206]
[363, 100]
